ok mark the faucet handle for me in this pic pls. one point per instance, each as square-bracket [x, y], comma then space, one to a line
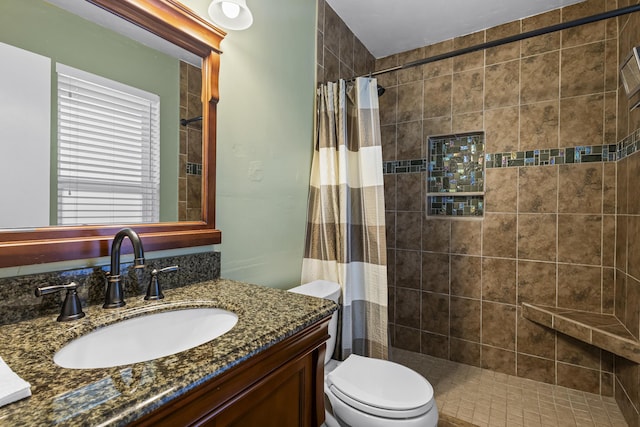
[153, 291]
[71, 307]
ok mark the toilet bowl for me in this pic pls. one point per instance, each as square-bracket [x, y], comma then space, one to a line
[367, 392]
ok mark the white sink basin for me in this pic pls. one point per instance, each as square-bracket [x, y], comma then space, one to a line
[145, 338]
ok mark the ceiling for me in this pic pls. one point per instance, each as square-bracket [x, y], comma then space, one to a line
[387, 27]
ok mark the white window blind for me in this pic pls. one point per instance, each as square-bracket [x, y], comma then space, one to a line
[108, 151]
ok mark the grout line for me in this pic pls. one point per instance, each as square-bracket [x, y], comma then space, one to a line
[517, 173]
[555, 334]
[484, 178]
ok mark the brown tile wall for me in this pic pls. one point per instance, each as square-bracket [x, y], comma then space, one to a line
[553, 235]
[548, 232]
[627, 292]
[341, 55]
[190, 185]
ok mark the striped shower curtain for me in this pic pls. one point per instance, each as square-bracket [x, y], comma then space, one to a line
[345, 239]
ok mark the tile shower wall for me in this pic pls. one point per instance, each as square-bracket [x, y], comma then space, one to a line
[549, 230]
[455, 285]
[190, 174]
[627, 295]
[341, 55]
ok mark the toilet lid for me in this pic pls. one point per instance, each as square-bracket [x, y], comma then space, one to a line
[381, 387]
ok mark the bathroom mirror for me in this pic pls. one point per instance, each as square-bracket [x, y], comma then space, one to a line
[173, 22]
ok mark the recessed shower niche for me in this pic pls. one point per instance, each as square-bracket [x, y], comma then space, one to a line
[455, 178]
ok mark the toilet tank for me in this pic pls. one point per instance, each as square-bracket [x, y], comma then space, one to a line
[328, 290]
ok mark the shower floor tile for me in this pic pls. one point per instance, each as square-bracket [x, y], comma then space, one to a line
[484, 398]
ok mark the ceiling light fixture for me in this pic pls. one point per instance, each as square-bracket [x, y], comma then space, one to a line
[231, 14]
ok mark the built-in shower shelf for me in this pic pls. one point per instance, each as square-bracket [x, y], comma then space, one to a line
[601, 330]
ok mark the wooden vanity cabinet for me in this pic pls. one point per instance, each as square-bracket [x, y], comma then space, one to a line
[279, 387]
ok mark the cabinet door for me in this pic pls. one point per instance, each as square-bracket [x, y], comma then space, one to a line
[282, 399]
[282, 386]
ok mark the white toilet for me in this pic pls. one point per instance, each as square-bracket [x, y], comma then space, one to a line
[367, 392]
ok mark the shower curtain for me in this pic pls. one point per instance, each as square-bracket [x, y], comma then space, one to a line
[345, 239]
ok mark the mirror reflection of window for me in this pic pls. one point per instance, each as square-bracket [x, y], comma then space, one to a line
[108, 151]
[94, 41]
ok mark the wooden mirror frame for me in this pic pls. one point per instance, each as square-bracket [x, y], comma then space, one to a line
[179, 25]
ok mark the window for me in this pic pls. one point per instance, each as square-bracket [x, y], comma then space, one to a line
[108, 151]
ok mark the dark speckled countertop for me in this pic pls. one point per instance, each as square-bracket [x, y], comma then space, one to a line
[117, 396]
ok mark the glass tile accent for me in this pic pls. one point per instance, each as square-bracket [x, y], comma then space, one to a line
[628, 145]
[451, 205]
[194, 169]
[405, 166]
[579, 154]
[456, 163]
[556, 156]
[455, 181]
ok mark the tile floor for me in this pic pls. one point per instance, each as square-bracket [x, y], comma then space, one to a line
[490, 399]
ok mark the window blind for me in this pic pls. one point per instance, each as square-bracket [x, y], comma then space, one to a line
[108, 151]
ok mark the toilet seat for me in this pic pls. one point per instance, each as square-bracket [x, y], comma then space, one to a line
[381, 388]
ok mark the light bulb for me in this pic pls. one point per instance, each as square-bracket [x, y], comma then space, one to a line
[230, 14]
[230, 10]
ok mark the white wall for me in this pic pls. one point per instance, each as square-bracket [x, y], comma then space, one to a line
[265, 142]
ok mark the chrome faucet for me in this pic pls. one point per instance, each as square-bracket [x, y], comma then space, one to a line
[114, 295]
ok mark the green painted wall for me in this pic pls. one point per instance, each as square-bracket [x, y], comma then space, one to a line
[265, 144]
[265, 141]
[50, 31]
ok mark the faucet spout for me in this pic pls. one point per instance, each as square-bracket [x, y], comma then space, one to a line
[114, 295]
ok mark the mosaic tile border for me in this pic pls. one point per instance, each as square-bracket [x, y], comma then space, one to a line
[452, 205]
[557, 156]
[404, 166]
[456, 163]
[629, 145]
[194, 169]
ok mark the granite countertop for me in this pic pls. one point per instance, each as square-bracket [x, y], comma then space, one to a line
[117, 396]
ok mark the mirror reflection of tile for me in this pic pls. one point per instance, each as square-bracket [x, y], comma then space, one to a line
[190, 175]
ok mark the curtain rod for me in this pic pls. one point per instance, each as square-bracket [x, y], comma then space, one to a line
[511, 39]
